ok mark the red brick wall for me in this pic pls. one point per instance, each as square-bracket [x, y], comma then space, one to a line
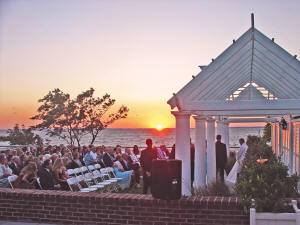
[93, 208]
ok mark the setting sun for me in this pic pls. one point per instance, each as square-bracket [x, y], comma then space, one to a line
[159, 127]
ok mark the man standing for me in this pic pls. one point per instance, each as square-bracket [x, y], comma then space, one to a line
[221, 157]
[147, 156]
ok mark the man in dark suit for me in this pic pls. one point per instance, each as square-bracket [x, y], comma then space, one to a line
[109, 157]
[47, 179]
[124, 162]
[15, 165]
[221, 157]
[192, 155]
[147, 156]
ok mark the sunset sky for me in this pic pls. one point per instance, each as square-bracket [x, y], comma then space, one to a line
[138, 51]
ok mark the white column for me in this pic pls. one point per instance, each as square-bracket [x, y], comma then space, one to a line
[200, 152]
[226, 135]
[211, 151]
[220, 129]
[182, 149]
[275, 140]
[292, 166]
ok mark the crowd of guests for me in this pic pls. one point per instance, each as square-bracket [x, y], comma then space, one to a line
[50, 164]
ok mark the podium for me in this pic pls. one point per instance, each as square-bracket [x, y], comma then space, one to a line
[166, 179]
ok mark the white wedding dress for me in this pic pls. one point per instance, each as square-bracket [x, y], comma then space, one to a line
[231, 178]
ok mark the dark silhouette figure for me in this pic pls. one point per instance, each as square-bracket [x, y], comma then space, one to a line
[192, 147]
[221, 157]
[147, 156]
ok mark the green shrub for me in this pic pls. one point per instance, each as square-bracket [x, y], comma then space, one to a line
[266, 182]
[217, 188]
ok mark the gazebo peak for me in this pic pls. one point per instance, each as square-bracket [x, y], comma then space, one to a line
[252, 58]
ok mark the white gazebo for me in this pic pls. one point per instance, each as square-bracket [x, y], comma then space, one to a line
[254, 80]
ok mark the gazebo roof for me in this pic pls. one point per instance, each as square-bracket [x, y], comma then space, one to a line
[254, 69]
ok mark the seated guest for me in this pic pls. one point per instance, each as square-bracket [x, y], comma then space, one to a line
[109, 157]
[88, 160]
[47, 178]
[75, 162]
[9, 157]
[83, 150]
[27, 177]
[136, 150]
[22, 160]
[54, 156]
[161, 154]
[5, 171]
[124, 162]
[134, 164]
[118, 150]
[100, 157]
[125, 175]
[166, 151]
[60, 174]
[68, 155]
[93, 153]
[40, 162]
[15, 165]
[119, 164]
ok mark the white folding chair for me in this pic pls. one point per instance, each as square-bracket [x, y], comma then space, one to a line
[99, 180]
[71, 172]
[89, 179]
[11, 179]
[111, 174]
[83, 170]
[83, 186]
[106, 177]
[75, 186]
[91, 168]
[77, 171]
[97, 166]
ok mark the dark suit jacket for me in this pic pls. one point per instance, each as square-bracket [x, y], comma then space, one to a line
[101, 162]
[147, 156]
[132, 165]
[107, 160]
[72, 165]
[221, 155]
[126, 167]
[47, 179]
[15, 169]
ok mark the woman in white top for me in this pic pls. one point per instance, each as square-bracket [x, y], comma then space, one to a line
[237, 167]
[5, 171]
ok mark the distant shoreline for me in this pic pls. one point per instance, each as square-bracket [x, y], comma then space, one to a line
[150, 128]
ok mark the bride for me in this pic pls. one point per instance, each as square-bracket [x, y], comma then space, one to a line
[239, 162]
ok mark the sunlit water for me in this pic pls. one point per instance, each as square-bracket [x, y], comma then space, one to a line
[130, 137]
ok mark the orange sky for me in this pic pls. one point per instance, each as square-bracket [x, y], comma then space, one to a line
[140, 52]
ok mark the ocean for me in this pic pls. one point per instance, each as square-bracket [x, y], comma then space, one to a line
[130, 137]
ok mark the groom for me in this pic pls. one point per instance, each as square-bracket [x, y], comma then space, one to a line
[221, 157]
